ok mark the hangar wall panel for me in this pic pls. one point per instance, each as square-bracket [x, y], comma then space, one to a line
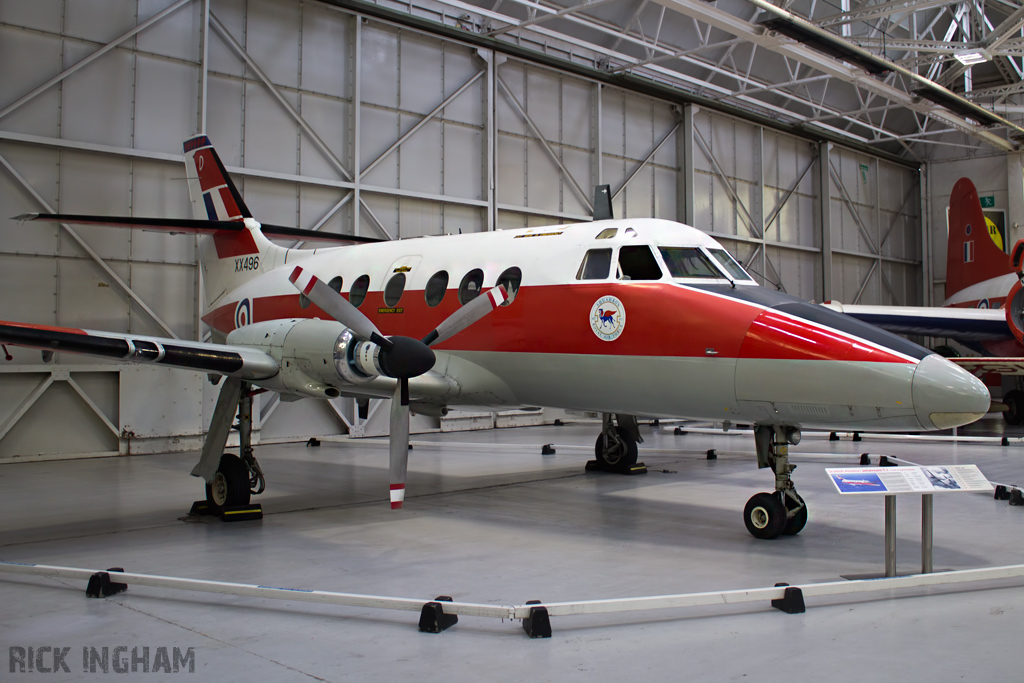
[332, 122]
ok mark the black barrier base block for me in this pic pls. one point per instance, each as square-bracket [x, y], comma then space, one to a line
[432, 616]
[1002, 493]
[865, 459]
[1016, 497]
[596, 466]
[547, 449]
[679, 431]
[832, 436]
[100, 585]
[712, 455]
[792, 602]
[538, 624]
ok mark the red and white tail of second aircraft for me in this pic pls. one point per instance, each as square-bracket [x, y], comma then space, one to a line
[625, 317]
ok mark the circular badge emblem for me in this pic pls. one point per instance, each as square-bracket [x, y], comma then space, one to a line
[608, 318]
[243, 313]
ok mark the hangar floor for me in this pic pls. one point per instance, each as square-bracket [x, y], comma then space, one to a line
[488, 519]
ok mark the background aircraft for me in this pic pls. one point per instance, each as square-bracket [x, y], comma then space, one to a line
[984, 306]
[622, 317]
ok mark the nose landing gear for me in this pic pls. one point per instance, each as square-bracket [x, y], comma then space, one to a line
[783, 511]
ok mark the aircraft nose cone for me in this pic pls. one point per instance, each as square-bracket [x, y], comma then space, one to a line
[947, 396]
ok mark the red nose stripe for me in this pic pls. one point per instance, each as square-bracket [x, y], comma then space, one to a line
[773, 335]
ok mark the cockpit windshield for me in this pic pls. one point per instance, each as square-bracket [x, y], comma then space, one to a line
[689, 262]
[724, 258]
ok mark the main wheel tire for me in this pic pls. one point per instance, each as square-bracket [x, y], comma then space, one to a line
[620, 453]
[230, 485]
[1014, 400]
[765, 515]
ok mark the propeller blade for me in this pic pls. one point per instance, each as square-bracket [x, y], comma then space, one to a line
[337, 306]
[399, 444]
[467, 315]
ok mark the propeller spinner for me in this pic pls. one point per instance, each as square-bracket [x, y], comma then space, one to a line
[399, 357]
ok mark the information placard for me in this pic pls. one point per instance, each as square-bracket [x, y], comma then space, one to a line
[890, 480]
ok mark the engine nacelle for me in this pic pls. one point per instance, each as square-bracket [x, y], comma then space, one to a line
[316, 356]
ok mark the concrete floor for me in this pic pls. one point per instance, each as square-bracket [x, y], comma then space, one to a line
[488, 519]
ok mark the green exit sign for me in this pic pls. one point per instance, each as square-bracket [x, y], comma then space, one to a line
[988, 202]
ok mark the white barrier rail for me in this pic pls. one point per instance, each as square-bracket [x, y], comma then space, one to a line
[653, 602]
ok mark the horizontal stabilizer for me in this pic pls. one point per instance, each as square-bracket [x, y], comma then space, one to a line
[194, 226]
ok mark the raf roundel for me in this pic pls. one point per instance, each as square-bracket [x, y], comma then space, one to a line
[608, 318]
[243, 313]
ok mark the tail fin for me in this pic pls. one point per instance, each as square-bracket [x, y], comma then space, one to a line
[229, 258]
[975, 251]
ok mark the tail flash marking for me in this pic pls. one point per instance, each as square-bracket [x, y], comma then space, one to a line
[220, 198]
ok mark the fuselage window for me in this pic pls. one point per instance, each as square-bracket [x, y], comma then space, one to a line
[607, 233]
[725, 259]
[596, 264]
[688, 262]
[437, 285]
[471, 285]
[357, 294]
[335, 284]
[393, 290]
[511, 279]
[638, 263]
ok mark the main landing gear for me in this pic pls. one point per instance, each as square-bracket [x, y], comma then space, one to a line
[616, 447]
[783, 511]
[231, 479]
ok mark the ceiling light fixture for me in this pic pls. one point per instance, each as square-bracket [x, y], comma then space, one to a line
[971, 57]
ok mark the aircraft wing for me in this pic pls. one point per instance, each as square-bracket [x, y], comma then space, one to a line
[983, 366]
[969, 324]
[234, 361]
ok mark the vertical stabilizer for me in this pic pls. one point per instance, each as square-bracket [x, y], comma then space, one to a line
[229, 258]
[975, 252]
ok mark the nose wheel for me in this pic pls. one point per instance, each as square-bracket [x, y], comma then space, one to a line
[781, 512]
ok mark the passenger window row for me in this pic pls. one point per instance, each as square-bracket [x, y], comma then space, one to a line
[437, 286]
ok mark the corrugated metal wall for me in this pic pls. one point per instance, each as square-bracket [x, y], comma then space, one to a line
[331, 121]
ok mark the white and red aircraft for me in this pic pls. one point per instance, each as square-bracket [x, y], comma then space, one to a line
[625, 317]
[984, 306]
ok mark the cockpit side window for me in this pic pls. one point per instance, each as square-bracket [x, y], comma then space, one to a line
[689, 262]
[638, 263]
[596, 265]
[607, 233]
[725, 259]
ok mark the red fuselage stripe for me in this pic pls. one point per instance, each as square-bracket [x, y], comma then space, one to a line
[660, 320]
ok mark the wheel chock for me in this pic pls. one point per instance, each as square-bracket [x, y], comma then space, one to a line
[241, 513]
[832, 436]
[433, 618]
[201, 508]
[596, 466]
[679, 431]
[1002, 493]
[865, 459]
[538, 624]
[100, 585]
[1016, 497]
[547, 449]
[792, 602]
